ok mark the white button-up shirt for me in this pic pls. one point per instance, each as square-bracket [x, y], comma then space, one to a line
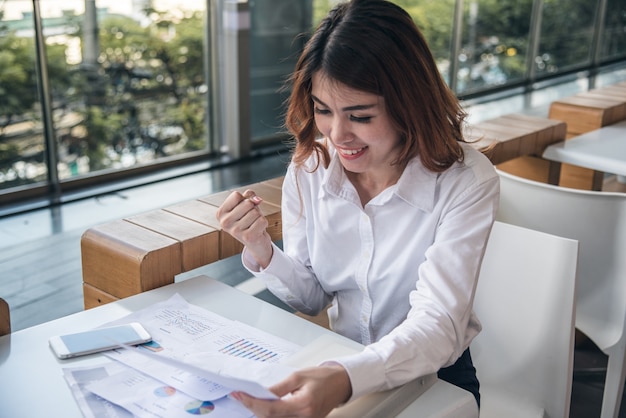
[400, 272]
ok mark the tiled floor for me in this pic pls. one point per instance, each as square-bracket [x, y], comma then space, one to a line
[40, 253]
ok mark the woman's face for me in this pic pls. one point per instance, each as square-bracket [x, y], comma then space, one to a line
[357, 124]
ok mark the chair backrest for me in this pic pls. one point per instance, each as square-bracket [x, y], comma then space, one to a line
[5, 318]
[525, 302]
[598, 221]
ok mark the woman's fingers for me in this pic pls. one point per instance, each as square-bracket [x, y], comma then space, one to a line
[229, 204]
[307, 393]
[249, 194]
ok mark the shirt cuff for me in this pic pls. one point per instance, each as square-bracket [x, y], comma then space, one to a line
[276, 264]
[279, 266]
[366, 371]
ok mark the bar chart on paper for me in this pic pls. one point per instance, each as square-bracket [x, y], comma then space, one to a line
[249, 349]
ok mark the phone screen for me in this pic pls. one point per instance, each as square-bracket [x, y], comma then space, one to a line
[95, 339]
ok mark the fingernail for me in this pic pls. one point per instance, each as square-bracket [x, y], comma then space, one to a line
[235, 396]
[256, 199]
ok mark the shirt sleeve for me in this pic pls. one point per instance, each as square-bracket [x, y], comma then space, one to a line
[289, 276]
[440, 324]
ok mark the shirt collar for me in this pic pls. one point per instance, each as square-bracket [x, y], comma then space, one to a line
[416, 186]
[335, 181]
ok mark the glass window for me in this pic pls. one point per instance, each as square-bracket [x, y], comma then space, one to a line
[495, 43]
[435, 20]
[566, 35]
[128, 82]
[614, 37]
[274, 48]
[22, 145]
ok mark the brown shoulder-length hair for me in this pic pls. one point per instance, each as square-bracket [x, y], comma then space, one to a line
[374, 46]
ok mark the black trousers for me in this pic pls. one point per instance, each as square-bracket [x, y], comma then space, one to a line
[462, 374]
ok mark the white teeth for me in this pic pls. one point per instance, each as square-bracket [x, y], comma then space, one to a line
[351, 151]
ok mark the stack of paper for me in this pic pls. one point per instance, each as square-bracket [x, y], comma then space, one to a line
[196, 358]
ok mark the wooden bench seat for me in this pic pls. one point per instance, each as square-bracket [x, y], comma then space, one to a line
[142, 252]
[5, 318]
[519, 142]
[146, 251]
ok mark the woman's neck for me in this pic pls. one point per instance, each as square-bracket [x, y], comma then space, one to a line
[370, 184]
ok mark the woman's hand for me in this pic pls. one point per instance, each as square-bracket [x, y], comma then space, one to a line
[241, 217]
[312, 393]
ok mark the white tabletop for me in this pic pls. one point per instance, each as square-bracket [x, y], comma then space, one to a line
[32, 383]
[603, 150]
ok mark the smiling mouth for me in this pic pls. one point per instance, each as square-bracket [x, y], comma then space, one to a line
[350, 152]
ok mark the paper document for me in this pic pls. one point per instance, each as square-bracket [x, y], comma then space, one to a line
[207, 376]
[195, 356]
[144, 396]
[179, 329]
[91, 405]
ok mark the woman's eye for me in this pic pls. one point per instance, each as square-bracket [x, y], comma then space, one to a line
[321, 111]
[360, 119]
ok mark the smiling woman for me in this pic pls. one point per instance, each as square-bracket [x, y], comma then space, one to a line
[385, 212]
[358, 126]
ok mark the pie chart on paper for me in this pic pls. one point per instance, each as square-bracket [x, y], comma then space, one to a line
[165, 391]
[199, 407]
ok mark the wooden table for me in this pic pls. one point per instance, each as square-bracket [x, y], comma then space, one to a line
[585, 112]
[603, 150]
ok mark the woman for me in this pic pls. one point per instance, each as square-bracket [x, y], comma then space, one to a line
[386, 212]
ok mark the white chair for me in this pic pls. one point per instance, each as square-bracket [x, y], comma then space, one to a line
[525, 300]
[598, 221]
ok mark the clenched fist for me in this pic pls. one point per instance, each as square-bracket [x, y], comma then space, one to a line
[241, 217]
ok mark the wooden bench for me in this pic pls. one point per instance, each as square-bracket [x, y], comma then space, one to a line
[584, 112]
[138, 253]
[520, 141]
[5, 318]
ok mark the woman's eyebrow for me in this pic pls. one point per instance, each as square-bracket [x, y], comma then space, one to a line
[347, 108]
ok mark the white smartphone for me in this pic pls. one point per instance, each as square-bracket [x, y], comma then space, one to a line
[99, 339]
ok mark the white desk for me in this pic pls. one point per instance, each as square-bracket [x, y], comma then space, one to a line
[32, 383]
[603, 150]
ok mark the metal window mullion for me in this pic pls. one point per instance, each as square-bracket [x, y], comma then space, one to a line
[211, 73]
[596, 46]
[43, 87]
[235, 92]
[535, 39]
[457, 34]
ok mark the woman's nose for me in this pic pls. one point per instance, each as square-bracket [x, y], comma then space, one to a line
[340, 131]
